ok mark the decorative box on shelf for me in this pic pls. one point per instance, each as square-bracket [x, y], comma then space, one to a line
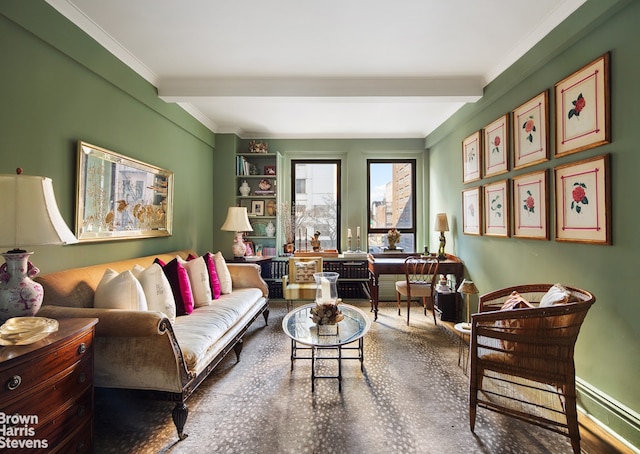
[315, 254]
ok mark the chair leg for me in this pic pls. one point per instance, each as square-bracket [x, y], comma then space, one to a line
[399, 301]
[408, 306]
[424, 304]
[433, 309]
[572, 418]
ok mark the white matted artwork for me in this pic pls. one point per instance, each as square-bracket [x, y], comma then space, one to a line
[582, 108]
[530, 206]
[496, 147]
[583, 201]
[471, 211]
[496, 208]
[471, 155]
[530, 138]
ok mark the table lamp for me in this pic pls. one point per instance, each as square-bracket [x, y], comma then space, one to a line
[237, 221]
[442, 225]
[30, 217]
[467, 288]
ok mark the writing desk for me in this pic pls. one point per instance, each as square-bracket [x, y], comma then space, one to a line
[393, 263]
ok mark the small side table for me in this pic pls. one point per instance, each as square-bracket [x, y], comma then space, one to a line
[462, 330]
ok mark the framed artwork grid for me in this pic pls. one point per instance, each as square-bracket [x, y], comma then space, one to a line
[530, 139]
[530, 206]
[496, 209]
[471, 211]
[583, 201]
[471, 155]
[582, 108]
[496, 147]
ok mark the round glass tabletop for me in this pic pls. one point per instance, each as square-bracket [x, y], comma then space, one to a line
[298, 325]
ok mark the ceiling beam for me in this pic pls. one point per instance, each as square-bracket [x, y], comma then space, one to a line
[458, 89]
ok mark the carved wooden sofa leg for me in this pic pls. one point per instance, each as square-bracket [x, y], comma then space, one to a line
[265, 314]
[179, 415]
[237, 348]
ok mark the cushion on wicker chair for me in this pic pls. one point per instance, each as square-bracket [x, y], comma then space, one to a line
[557, 294]
[515, 326]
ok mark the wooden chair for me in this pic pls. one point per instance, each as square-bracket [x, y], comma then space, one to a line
[299, 284]
[420, 277]
[522, 359]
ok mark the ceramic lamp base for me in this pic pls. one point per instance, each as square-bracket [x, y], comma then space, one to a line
[239, 249]
[19, 295]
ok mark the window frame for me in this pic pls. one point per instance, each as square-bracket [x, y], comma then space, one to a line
[338, 164]
[377, 230]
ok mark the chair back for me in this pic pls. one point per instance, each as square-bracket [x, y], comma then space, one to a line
[421, 271]
[301, 269]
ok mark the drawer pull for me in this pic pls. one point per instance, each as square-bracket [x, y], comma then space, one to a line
[82, 378]
[80, 410]
[14, 382]
[82, 348]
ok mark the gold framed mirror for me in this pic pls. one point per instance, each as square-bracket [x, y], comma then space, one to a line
[120, 198]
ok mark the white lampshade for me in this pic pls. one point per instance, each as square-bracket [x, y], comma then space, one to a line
[237, 220]
[29, 213]
[442, 225]
[467, 287]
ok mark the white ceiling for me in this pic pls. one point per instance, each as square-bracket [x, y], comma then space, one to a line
[318, 69]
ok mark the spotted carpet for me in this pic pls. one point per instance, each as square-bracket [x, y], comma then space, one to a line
[410, 398]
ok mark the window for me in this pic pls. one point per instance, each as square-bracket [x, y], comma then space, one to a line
[316, 197]
[391, 202]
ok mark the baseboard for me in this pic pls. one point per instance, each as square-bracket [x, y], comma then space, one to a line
[618, 420]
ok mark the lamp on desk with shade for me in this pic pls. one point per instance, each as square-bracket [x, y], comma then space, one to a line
[30, 217]
[442, 225]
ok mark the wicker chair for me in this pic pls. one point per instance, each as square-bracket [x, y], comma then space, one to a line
[522, 359]
[419, 282]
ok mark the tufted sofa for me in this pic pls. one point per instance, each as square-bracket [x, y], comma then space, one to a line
[144, 350]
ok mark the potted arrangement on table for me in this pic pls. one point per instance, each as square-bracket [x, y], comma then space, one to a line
[393, 237]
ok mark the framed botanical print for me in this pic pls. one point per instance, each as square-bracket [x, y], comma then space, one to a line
[496, 147]
[530, 138]
[471, 211]
[582, 108]
[583, 201]
[471, 154]
[496, 208]
[530, 206]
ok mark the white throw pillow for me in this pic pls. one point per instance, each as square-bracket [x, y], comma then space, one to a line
[199, 280]
[120, 291]
[557, 294]
[157, 290]
[226, 284]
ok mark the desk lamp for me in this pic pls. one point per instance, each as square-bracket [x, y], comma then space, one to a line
[237, 221]
[467, 288]
[442, 225]
[30, 217]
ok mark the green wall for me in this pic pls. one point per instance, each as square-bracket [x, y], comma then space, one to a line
[608, 350]
[58, 86]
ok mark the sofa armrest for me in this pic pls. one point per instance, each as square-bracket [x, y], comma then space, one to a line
[112, 322]
[247, 275]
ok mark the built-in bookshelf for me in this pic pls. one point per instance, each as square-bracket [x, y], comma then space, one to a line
[256, 189]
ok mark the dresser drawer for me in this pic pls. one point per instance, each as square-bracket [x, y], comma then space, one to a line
[45, 436]
[52, 394]
[25, 376]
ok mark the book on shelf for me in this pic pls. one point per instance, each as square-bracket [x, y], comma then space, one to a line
[268, 251]
[261, 192]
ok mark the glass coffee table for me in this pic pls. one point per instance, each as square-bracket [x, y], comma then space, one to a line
[298, 325]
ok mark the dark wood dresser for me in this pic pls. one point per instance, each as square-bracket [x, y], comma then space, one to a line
[46, 394]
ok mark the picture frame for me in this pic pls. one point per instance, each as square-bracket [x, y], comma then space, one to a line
[471, 211]
[496, 208]
[257, 208]
[270, 170]
[250, 252]
[583, 201]
[582, 108]
[530, 131]
[496, 147]
[531, 205]
[120, 198]
[471, 157]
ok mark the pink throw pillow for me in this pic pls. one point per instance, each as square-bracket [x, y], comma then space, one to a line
[180, 285]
